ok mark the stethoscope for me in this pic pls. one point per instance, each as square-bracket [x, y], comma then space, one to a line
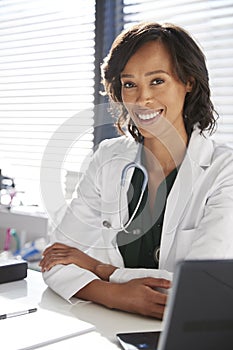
[134, 164]
[123, 227]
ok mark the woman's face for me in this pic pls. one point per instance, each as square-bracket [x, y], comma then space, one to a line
[151, 92]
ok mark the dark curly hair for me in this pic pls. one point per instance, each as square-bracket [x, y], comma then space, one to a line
[188, 61]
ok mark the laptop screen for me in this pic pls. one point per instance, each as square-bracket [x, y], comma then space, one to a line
[199, 314]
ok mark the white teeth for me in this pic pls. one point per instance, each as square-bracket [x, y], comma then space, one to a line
[149, 115]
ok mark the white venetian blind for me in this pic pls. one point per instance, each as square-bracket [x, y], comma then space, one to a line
[211, 24]
[46, 78]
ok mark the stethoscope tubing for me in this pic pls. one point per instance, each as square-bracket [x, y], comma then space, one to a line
[144, 184]
[123, 227]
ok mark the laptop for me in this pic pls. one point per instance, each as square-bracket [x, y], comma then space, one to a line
[199, 314]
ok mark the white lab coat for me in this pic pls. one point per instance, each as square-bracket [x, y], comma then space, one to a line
[198, 220]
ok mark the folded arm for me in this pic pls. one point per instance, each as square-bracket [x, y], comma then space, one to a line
[139, 295]
[59, 253]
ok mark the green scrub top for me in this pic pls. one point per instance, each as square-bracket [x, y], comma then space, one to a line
[141, 249]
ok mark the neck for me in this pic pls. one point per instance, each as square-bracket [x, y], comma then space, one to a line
[165, 153]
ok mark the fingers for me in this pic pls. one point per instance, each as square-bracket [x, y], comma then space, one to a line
[46, 265]
[159, 287]
[54, 247]
[50, 260]
[157, 311]
[157, 282]
[157, 302]
[55, 254]
[141, 296]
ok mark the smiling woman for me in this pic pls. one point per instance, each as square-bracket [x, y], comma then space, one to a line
[170, 60]
[156, 76]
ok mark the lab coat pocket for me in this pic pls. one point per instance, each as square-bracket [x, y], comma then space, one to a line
[184, 242]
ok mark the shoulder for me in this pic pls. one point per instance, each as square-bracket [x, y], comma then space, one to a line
[215, 159]
[204, 150]
[222, 149]
[223, 158]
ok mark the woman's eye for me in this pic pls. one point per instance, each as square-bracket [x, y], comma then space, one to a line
[128, 84]
[157, 81]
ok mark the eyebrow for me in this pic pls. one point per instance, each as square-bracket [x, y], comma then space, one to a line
[124, 75]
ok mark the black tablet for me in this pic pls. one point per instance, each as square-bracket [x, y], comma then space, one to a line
[139, 340]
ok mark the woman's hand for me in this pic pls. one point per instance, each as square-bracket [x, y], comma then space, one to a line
[59, 253]
[144, 296]
[140, 296]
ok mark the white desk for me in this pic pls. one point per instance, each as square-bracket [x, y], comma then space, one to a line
[107, 322]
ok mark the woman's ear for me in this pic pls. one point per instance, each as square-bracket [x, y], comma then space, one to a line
[189, 85]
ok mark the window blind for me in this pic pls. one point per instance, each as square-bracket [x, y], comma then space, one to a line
[46, 85]
[210, 23]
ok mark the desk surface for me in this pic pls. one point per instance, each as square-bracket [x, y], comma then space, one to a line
[107, 322]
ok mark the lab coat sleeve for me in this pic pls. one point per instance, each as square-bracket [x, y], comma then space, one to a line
[123, 275]
[69, 275]
[80, 227]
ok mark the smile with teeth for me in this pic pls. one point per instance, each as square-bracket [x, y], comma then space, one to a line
[149, 116]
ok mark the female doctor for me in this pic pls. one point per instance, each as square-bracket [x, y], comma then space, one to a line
[160, 193]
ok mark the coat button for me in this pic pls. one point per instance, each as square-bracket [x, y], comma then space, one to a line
[136, 231]
[156, 254]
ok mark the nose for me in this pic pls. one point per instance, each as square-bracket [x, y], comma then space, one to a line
[145, 96]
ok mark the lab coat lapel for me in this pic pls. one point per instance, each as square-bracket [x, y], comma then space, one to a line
[180, 194]
[197, 158]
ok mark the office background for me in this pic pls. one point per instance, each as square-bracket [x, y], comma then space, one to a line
[51, 51]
